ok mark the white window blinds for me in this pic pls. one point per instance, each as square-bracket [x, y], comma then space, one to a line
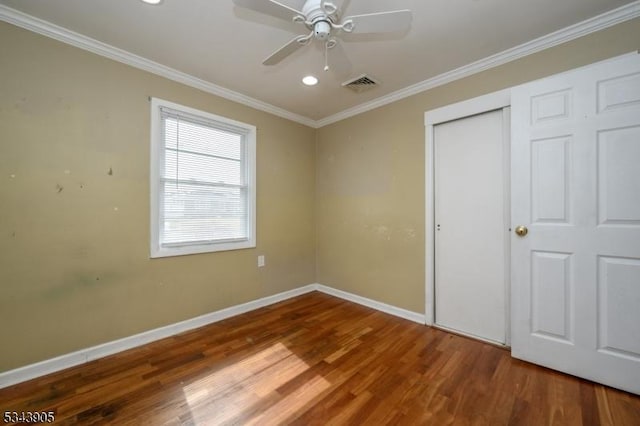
[204, 185]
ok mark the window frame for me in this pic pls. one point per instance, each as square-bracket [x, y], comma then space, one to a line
[247, 131]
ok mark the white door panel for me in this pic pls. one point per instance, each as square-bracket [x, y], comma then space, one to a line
[576, 186]
[470, 248]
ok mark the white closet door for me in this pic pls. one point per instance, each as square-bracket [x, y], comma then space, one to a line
[576, 187]
[470, 226]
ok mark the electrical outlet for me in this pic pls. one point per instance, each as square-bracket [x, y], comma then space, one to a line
[260, 261]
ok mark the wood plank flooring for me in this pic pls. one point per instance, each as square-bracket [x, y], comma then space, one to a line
[319, 360]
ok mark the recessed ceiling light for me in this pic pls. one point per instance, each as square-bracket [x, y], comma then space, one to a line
[310, 80]
[152, 1]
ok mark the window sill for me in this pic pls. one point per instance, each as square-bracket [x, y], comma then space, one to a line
[158, 252]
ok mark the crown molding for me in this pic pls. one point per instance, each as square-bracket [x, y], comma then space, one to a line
[72, 38]
[597, 23]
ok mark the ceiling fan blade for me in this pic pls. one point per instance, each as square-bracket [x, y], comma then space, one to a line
[382, 22]
[286, 50]
[270, 7]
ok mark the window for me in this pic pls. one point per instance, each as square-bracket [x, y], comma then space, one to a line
[202, 181]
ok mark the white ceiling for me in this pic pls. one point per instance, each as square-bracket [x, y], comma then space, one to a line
[224, 45]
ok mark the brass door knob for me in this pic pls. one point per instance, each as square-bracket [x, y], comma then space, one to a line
[521, 230]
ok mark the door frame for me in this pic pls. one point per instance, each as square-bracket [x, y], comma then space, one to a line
[485, 103]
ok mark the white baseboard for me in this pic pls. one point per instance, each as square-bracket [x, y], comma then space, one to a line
[82, 356]
[383, 307]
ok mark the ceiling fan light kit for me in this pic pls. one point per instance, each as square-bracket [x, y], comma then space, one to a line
[323, 19]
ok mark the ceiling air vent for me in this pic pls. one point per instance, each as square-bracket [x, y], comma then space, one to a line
[360, 83]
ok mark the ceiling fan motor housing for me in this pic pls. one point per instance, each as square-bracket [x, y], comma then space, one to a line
[318, 19]
[321, 30]
[313, 10]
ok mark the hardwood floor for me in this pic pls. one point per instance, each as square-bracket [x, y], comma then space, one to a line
[319, 360]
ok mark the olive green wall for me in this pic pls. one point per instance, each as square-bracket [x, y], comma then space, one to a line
[74, 205]
[342, 206]
[371, 175]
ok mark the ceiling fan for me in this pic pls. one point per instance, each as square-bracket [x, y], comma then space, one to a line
[323, 18]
